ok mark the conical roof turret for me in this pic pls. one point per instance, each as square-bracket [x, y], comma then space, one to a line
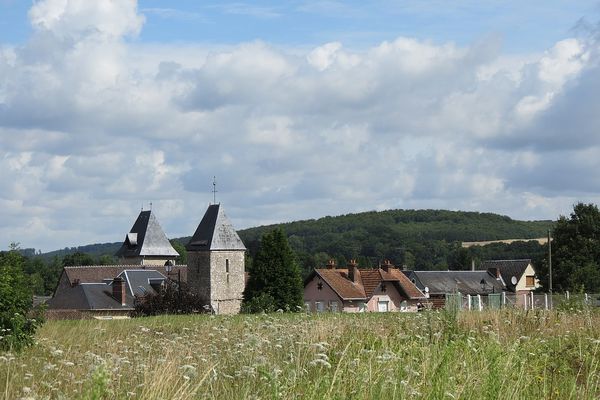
[146, 238]
[215, 232]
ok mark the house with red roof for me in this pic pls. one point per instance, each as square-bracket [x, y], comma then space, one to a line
[355, 289]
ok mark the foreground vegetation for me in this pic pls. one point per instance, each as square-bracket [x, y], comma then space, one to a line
[437, 355]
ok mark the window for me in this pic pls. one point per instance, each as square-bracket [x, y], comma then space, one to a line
[530, 280]
[320, 286]
[362, 307]
[333, 306]
[227, 269]
[319, 306]
[382, 306]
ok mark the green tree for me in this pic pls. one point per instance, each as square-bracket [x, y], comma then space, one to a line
[576, 249]
[77, 259]
[275, 273]
[16, 325]
[180, 248]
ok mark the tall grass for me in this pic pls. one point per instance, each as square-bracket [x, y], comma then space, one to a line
[490, 355]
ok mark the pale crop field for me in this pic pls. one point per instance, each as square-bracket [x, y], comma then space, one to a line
[430, 355]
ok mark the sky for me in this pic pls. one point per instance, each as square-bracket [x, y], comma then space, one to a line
[300, 109]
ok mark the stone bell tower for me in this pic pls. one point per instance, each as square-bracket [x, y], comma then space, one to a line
[216, 262]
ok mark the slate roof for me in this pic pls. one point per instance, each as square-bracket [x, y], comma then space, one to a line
[466, 282]
[508, 269]
[146, 238]
[215, 232]
[88, 296]
[139, 281]
[366, 283]
[99, 273]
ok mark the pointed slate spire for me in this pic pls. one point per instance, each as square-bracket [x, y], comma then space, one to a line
[146, 238]
[215, 232]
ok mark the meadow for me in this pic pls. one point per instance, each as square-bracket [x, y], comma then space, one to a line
[429, 355]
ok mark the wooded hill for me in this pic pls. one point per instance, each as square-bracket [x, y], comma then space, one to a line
[421, 239]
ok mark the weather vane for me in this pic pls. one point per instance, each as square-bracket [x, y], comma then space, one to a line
[214, 190]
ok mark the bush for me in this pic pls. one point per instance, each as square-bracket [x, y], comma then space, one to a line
[264, 302]
[18, 322]
[170, 300]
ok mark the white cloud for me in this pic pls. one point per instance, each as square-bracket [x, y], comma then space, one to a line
[93, 124]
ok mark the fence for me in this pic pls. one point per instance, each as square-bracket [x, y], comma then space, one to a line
[526, 301]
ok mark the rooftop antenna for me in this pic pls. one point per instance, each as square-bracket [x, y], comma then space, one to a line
[214, 190]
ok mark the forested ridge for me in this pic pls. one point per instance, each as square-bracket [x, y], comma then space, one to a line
[420, 239]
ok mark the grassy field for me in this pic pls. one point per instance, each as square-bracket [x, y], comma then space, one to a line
[433, 355]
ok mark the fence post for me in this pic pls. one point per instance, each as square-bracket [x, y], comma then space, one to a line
[567, 294]
[480, 305]
[504, 299]
[586, 299]
[469, 302]
[532, 302]
[546, 301]
[525, 301]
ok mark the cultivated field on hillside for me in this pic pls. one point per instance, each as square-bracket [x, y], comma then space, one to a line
[437, 355]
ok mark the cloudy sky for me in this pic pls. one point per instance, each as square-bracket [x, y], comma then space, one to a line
[301, 110]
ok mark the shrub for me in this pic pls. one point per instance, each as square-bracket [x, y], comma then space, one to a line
[170, 300]
[18, 322]
[264, 302]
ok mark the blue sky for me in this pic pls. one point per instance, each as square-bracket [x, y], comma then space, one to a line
[523, 26]
[301, 110]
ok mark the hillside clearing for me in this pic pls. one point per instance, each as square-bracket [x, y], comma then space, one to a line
[437, 355]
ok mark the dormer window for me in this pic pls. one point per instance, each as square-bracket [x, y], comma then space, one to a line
[131, 239]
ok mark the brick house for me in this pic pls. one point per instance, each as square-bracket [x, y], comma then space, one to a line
[354, 289]
[104, 291]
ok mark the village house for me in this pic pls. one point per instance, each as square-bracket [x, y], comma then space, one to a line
[517, 275]
[354, 289]
[215, 254]
[437, 284]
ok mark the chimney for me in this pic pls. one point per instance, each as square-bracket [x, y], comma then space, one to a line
[387, 265]
[118, 290]
[352, 270]
[331, 264]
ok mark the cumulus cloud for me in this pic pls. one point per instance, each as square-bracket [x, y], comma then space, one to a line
[93, 124]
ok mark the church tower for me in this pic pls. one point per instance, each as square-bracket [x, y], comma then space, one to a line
[216, 262]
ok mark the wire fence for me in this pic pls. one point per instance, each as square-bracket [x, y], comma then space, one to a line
[525, 301]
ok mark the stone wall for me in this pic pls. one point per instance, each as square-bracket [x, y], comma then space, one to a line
[218, 276]
[227, 287]
[198, 273]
